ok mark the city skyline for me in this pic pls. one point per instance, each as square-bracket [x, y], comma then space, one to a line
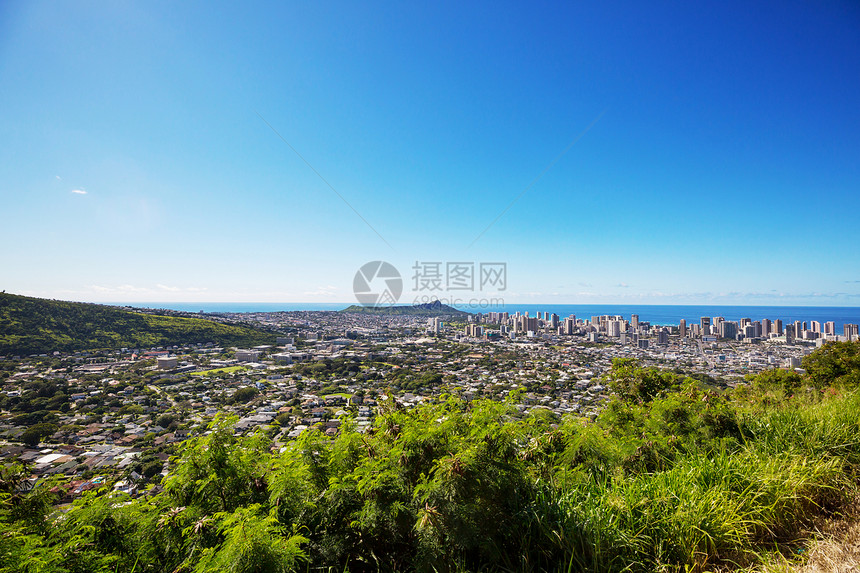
[617, 325]
[668, 154]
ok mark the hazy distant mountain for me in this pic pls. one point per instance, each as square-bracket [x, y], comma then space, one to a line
[434, 308]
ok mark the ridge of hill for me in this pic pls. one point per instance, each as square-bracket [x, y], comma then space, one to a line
[435, 308]
[31, 325]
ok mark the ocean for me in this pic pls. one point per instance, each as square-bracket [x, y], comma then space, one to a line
[655, 314]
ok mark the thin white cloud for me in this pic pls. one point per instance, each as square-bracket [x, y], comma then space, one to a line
[121, 289]
[323, 291]
[131, 288]
[58, 177]
[168, 288]
[79, 191]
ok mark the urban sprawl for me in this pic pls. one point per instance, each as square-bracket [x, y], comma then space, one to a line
[116, 417]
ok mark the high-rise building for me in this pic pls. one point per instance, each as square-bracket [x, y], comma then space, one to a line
[728, 329]
[682, 328]
[777, 327]
[850, 331]
[705, 325]
[815, 326]
[765, 327]
[829, 327]
[758, 330]
[663, 336]
[569, 325]
[634, 320]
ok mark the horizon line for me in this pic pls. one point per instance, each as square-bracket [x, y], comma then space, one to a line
[489, 308]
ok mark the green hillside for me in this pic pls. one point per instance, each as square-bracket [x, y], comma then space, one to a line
[34, 326]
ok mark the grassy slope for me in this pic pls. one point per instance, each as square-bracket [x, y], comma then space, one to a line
[32, 325]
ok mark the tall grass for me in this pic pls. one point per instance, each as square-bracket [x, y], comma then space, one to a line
[711, 506]
[705, 509]
[815, 428]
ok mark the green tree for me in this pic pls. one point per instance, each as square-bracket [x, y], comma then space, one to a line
[35, 433]
[217, 473]
[253, 543]
[633, 383]
[786, 381]
[834, 363]
[244, 395]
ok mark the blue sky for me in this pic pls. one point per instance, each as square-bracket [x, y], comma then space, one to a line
[722, 164]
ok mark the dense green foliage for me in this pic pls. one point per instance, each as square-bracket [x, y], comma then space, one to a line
[33, 325]
[671, 476]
